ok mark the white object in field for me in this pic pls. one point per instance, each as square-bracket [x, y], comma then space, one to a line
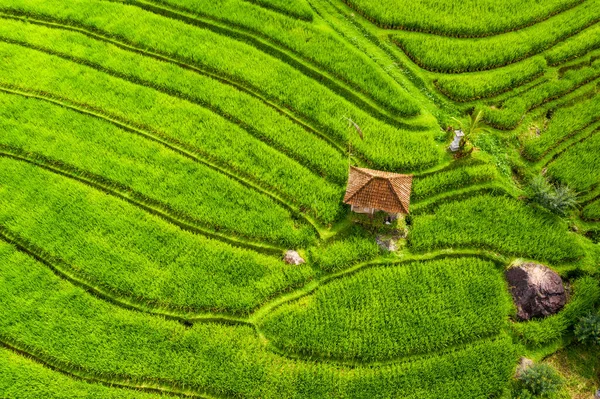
[293, 258]
[458, 135]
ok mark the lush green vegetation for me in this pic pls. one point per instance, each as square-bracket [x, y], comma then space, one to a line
[460, 18]
[450, 54]
[477, 85]
[221, 360]
[343, 253]
[454, 178]
[592, 211]
[131, 253]
[564, 123]
[158, 158]
[437, 305]
[497, 223]
[108, 155]
[579, 166]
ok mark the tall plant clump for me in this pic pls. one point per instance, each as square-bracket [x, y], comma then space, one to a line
[559, 199]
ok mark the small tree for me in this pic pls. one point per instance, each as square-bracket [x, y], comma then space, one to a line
[473, 129]
[588, 330]
[540, 380]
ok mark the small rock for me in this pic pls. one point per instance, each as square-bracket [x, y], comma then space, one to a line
[537, 291]
[524, 364]
[293, 258]
[597, 396]
[387, 243]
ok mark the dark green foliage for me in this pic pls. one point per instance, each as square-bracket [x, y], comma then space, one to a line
[341, 254]
[558, 199]
[536, 333]
[587, 331]
[541, 380]
[436, 305]
[498, 223]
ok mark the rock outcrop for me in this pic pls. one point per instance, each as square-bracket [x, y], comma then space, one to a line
[293, 258]
[537, 291]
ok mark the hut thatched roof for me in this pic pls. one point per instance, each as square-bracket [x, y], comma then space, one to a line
[386, 191]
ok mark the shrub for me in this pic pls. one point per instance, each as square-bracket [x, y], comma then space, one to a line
[541, 380]
[587, 331]
[559, 199]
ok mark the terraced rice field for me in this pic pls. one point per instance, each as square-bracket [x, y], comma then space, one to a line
[159, 157]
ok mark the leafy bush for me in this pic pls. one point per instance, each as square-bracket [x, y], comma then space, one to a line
[559, 199]
[587, 331]
[341, 254]
[541, 380]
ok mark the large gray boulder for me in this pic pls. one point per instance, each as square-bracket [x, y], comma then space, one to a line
[537, 291]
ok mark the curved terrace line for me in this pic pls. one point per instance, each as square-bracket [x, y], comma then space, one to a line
[302, 120]
[154, 385]
[66, 272]
[329, 79]
[426, 204]
[174, 93]
[395, 361]
[285, 13]
[381, 25]
[314, 285]
[571, 140]
[167, 142]
[525, 56]
[133, 197]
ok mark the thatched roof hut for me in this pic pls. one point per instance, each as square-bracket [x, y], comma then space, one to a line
[370, 190]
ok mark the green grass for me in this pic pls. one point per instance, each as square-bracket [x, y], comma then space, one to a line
[45, 315]
[592, 211]
[133, 254]
[295, 8]
[565, 122]
[34, 128]
[436, 305]
[460, 18]
[246, 66]
[498, 223]
[195, 128]
[316, 43]
[579, 166]
[24, 378]
[513, 110]
[343, 253]
[454, 178]
[454, 55]
[478, 85]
